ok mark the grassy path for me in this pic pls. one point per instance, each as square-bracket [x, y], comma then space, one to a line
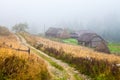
[59, 69]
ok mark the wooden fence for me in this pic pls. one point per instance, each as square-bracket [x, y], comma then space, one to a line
[17, 49]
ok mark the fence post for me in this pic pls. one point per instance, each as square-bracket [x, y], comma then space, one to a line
[3, 43]
[11, 46]
[28, 50]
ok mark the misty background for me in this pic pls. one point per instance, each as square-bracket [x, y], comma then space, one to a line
[100, 16]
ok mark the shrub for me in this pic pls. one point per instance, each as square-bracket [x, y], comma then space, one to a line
[4, 31]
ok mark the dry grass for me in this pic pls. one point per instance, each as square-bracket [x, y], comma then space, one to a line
[76, 51]
[18, 65]
[99, 66]
[12, 40]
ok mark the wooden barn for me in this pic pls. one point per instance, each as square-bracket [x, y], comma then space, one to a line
[76, 34]
[94, 41]
[57, 33]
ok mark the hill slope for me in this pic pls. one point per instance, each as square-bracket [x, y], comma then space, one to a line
[97, 65]
[19, 65]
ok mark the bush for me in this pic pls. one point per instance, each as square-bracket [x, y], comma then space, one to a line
[4, 31]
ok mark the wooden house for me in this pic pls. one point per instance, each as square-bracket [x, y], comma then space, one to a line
[76, 34]
[93, 40]
[57, 33]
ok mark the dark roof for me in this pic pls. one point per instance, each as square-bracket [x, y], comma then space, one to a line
[86, 37]
[52, 30]
[81, 32]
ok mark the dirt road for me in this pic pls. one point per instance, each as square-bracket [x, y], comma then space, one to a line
[68, 73]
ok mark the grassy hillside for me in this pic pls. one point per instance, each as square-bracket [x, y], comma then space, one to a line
[19, 65]
[114, 48]
[97, 65]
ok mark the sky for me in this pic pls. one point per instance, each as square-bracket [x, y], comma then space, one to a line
[74, 14]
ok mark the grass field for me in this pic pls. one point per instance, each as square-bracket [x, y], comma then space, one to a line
[70, 41]
[98, 66]
[114, 47]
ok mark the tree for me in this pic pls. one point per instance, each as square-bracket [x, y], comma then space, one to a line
[21, 27]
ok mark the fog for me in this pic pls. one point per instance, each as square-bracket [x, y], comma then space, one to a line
[101, 16]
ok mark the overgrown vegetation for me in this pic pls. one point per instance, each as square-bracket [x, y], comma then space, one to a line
[97, 69]
[19, 65]
[50, 61]
[99, 66]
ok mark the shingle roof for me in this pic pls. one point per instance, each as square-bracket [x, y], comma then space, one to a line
[86, 37]
[81, 32]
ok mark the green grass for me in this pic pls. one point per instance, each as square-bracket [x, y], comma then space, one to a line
[114, 47]
[77, 77]
[49, 60]
[70, 41]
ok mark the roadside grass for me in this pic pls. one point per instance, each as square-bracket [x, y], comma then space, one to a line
[46, 58]
[16, 65]
[114, 48]
[58, 72]
[54, 64]
[49, 60]
[76, 76]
